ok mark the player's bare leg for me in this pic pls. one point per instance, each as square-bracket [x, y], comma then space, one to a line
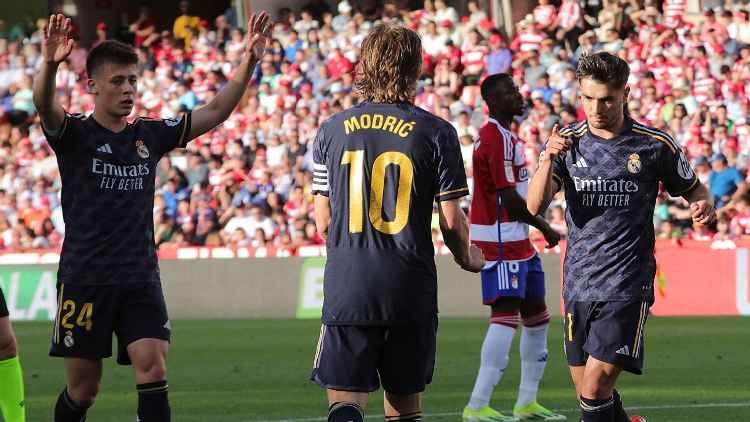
[533, 350]
[598, 403]
[84, 378]
[402, 408]
[11, 389]
[345, 406]
[494, 360]
[576, 374]
[149, 357]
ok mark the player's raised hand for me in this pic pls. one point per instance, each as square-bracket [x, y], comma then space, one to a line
[57, 43]
[703, 212]
[258, 34]
[475, 261]
[556, 144]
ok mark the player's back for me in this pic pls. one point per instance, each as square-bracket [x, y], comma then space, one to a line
[382, 167]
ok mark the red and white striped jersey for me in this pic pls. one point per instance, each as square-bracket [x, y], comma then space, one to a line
[473, 58]
[498, 163]
[531, 40]
[674, 10]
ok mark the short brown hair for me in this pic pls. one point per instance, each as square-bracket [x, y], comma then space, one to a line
[390, 65]
[604, 68]
[109, 51]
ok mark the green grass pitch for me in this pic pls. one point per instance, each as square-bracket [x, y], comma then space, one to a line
[697, 369]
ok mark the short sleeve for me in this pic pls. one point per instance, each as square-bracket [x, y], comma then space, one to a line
[500, 161]
[172, 133]
[320, 184]
[677, 175]
[451, 172]
[58, 139]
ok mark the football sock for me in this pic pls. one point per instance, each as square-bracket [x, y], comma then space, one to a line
[533, 348]
[620, 415]
[11, 390]
[345, 412]
[593, 410]
[410, 417]
[153, 403]
[494, 360]
[67, 410]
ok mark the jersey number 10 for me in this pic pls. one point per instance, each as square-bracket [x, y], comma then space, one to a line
[355, 159]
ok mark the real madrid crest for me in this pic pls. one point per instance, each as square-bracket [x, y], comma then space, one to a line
[634, 163]
[514, 281]
[68, 340]
[141, 149]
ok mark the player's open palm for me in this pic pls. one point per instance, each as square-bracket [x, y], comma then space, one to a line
[57, 43]
[258, 34]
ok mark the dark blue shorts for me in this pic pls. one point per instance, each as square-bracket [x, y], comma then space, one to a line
[361, 358]
[3, 306]
[88, 315]
[521, 279]
[611, 332]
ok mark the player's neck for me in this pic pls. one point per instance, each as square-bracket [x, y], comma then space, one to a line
[505, 120]
[114, 123]
[610, 132]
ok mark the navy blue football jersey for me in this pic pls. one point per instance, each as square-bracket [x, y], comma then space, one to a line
[108, 197]
[382, 167]
[610, 189]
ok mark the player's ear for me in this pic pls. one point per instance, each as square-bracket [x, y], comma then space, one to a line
[91, 87]
[626, 93]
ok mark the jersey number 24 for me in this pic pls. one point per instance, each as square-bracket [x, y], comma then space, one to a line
[355, 159]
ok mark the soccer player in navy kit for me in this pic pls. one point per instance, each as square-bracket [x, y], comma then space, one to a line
[108, 278]
[378, 168]
[610, 167]
[12, 407]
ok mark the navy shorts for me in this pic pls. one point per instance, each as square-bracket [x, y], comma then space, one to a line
[611, 332]
[361, 358]
[88, 315]
[521, 279]
[3, 306]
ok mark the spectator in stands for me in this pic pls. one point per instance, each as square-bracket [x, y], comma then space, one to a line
[144, 28]
[185, 27]
[726, 183]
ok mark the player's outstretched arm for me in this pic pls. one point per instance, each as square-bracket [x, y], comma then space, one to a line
[701, 205]
[516, 207]
[219, 109]
[543, 186]
[56, 47]
[455, 228]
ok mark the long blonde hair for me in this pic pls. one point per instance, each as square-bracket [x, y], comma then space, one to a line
[390, 65]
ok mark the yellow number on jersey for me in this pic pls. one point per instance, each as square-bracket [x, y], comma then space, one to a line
[84, 319]
[355, 159]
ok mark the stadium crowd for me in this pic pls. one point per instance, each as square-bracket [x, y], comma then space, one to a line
[248, 183]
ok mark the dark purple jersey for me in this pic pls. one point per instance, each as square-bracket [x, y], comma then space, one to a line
[108, 197]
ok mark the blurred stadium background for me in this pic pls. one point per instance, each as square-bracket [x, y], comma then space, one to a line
[233, 211]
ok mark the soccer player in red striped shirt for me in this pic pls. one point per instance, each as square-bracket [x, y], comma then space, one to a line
[513, 279]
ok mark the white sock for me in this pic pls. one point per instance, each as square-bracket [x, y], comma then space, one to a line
[533, 349]
[495, 351]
